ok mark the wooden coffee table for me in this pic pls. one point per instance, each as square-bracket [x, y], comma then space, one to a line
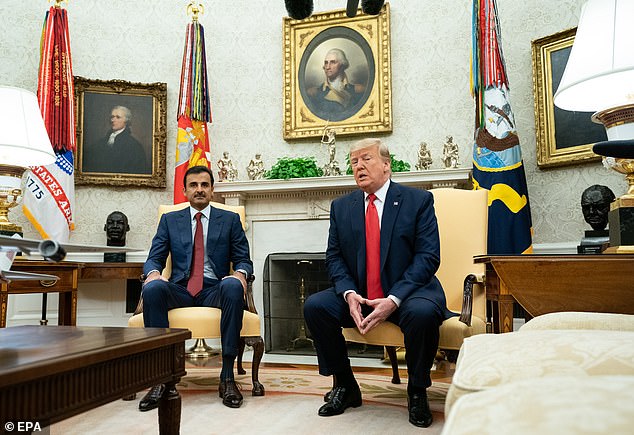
[50, 373]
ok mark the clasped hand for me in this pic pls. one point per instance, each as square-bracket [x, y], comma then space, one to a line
[382, 308]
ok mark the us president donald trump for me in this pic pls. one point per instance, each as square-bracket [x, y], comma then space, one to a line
[382, 256]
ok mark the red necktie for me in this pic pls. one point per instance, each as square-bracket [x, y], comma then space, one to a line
[195, 283]
[373, 250]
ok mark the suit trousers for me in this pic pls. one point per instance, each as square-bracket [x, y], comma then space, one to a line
[327, 312]
[228, 294]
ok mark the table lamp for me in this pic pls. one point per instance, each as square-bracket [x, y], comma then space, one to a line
[24, 142]
[599, 77]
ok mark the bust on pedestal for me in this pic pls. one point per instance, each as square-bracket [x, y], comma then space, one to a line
[595, 205]
[116, 228]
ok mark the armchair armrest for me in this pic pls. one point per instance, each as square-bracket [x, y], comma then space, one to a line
[249, 295]
[139, 305]
[467, 297]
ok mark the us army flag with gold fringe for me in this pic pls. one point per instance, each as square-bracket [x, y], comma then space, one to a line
[49, 195]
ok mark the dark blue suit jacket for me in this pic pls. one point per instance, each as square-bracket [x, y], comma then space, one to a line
[227, 244]
[410, 245]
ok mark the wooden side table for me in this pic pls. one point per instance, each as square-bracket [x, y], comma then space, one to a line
[544, 284]
[131, 271]
[66, 286]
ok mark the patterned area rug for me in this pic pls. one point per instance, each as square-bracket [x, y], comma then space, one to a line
[374, 388]
[290, 405]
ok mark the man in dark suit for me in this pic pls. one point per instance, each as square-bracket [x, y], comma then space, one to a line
[385, 272]
[203, 242]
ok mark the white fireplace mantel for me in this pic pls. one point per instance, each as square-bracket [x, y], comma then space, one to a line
[240, 192]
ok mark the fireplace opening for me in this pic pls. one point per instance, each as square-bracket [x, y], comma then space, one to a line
[289, 278]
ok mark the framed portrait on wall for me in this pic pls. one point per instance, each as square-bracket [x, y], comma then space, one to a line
[121, 133]
[337, 72]
[563, 137]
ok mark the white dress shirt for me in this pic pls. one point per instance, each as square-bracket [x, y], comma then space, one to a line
[113, 135]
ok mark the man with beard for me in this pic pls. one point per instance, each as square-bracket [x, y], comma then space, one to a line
[204, 242]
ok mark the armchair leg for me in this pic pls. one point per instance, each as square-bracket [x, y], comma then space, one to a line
[129, 397]
[391, 353]
[452, 355]
[258, 350]
[241, 370]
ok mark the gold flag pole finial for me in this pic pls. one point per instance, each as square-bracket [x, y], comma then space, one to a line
[194, 8]
[58, 3]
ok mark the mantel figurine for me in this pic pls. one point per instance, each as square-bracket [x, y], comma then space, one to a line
[328, 139]
[255, 170]
[450, 153]
[424, 157]
[228, 171]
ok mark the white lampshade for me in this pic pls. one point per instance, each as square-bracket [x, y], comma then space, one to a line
[23, 137]
[600, 71]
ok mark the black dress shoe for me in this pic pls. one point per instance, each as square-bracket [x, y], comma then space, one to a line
[151, 399]
[229, 393]
[329, 393]
[327, 396]
[340, 399]
[419, 412]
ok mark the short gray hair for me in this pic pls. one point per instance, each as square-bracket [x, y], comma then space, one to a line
[341, 57]
[384, 151]
[126, 113]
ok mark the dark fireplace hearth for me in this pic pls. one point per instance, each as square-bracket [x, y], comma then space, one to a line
[289, 278]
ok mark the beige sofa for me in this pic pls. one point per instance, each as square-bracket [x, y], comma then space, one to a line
[560, 373]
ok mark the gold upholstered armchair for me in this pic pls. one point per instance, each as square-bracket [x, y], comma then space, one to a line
[462, 223]
[204, 322]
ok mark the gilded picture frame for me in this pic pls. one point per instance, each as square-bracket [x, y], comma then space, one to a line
[364, 102]
[563, 137]
[121, 133]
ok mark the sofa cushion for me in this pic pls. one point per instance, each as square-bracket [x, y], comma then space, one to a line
[490, 360]
[579, 320]
[550, 405]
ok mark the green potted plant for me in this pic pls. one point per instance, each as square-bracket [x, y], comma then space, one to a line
[297, 167]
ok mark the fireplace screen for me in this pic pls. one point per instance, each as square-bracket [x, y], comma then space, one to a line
[289, 278]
